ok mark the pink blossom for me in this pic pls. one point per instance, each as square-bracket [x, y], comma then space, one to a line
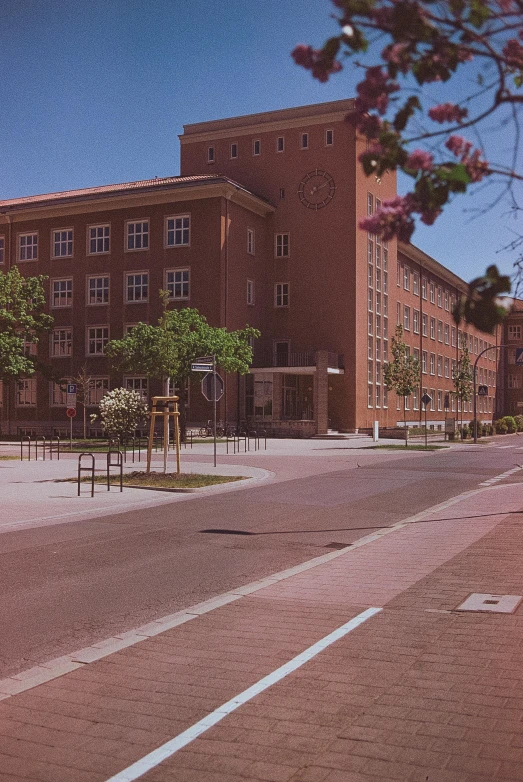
[370, 125]
[476, 166]
[458, 145]
[374, 90]
[447, 112]
[428, 216]
[419, 160]
[398, 54]
[513, 53]
[314, 60]
[392, 219]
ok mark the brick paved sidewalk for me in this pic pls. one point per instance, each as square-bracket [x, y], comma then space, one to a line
[418, 692]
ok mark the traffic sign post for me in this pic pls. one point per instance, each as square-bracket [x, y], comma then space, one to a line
[70, 413]
[70, 400]
[212, 386]
[426, 399]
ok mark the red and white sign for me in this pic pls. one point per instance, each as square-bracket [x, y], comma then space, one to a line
[70, 412]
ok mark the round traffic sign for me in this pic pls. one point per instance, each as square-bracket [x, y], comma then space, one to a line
[70, 412]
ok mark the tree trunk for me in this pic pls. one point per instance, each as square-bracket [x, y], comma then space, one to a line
[405, 422]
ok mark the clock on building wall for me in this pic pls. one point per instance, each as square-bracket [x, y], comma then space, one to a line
[316, 189]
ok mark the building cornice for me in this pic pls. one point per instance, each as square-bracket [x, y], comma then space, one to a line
[430, 264]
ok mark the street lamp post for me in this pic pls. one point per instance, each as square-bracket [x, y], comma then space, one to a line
[492, 347]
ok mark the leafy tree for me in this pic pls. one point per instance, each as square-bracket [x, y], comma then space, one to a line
[122, 410]
[463, 378]
[421, 44]
[402, 374]
[167, 350]
[22, 320]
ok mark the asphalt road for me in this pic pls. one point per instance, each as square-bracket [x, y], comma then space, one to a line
[69, 585]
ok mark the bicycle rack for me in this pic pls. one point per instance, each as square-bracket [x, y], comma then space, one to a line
[242, 435]
[22, 442]
[51, 445]
[262, 433]
[117, 463]
[41, 440]
[84, 469]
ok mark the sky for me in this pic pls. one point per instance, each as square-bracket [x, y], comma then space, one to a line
[96, 92]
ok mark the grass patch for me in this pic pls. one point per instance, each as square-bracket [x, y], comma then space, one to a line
[408, 447]
[8, 458]
[162, 480]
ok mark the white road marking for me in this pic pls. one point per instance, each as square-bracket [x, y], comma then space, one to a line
[168, 749]
[498, 478]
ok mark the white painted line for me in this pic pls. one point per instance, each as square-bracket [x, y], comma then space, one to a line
[168, 749]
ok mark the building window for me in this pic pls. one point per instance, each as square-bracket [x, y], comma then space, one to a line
[453, 336]
[63, 243]
[256, 147]
[406, 278]
[138, 384]
[280, 144]
[440, 331]
[440, 400]
[99, 236]
[250, 292]
[447, 367]
[250, 241]
[61, 342]
[370, 324]
[406, 318]
[98, 387]
[282, 246]
[440, 366]
[514, 332]
[281, 294]
[424, 321]
[440, 297]
[431, 293]
[26, 392]
[234, 151]
[138, 235]
[415, 283]
[369, 300]
[2, 249]
[432, 363]
[370, 203]
[137, 287]
[97, 339]
[210, 154]
[282, 192]
[329, 138]
[447, 300]
[447, 334]
[59, 392]
[178, 231]
[177, 283]
[28, 247]
[424, 362]
[398, 275]
[62, 293]
[378, 279]
[415, 321]
[98, 290]
[424, 288]
[433, 328]
[304, 140]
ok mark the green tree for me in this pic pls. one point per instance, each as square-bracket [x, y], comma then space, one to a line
[402, 374]
[22, 320]
[167, 350]
[462, 378]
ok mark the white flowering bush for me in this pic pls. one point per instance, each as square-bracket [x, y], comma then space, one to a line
[121, 412]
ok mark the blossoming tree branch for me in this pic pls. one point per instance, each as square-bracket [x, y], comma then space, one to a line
[421, 44]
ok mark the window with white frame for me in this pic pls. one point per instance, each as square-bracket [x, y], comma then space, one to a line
[406, 318]
[440, 331]
[30, 346]
[370, 324]
[378, 303]
[28, 247]
[378, 280]
[178, 231]
[514, 332]
[256, 146]
[398, 313]
[433, 328]
[177, 283]
[250, 241]
[415, 321]
[370, 347]
[280, 144]
[139, 384]
[61, 342]
[440, 366]
[137, 286]
[304, 141]
[440, 295]
[476, 344]
[61, 293]
[26, 392]
[281, 294]
[398, 275]
[415, 283]
[234, 150]
[453, 336]
[424, 288]
[281, 245]
[210, 155]
[329, 138]
[99, 239]
[63, 243]
[431, 293]
[370, 203]
[424, 323]
[2, 249]
[98, 387]
[447, 301]
[440, 400]
[250, 292]
[406, 278]
[424, 362]
[370, 396]
[370, 300]
[432, 363]
[447, 334]
[447, 367]
[415, 399]
[97, 339]
[98, 290]
[58, 392]
[138, 235]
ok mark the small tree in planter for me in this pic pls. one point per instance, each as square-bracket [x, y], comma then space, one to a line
[462, 379]
[121, 412]
[402, 374]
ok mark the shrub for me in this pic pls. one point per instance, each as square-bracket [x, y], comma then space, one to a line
[519, 422]
[500, 426]
[511, 424]
[121, 412]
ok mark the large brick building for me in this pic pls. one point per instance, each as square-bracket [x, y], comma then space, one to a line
[260, 228]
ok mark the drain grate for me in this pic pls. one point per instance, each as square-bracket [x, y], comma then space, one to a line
[499, 604]
[338, 545]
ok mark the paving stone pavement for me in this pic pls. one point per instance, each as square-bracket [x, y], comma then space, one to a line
[419, 692]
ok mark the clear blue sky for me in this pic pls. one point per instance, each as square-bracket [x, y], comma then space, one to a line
[96, 92]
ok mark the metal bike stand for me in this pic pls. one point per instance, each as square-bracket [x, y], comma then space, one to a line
[85, 469]
[22, 442]
[117, 463]
[41, 440]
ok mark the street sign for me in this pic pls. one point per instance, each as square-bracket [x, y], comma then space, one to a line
[519, 356]
[70, 398]
[200, 367]
[70, 412]
[71, 388]
[426, 399]
[212, 387]
[482, 390]
[450, 425]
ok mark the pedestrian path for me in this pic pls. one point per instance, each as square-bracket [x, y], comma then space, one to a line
[358, 667]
